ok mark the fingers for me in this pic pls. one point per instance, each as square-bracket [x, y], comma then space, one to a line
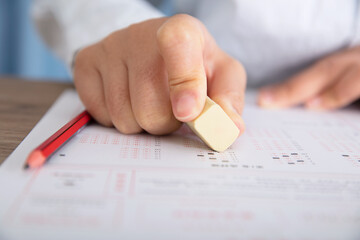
[117, 97]
[331, 83]
[303, 86]
[340, 94]
[155, 84]
[88, 83]
[180, 41]
[227, 86]
[149, 90]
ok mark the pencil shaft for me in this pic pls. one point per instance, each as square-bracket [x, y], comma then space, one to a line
[55, 141]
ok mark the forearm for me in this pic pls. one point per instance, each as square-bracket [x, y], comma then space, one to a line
[69, 25]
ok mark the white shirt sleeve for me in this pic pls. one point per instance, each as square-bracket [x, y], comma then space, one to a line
[356, 37]
[68, 25]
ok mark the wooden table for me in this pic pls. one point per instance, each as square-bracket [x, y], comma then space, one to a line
[22, 104]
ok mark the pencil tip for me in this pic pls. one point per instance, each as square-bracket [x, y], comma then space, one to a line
[35, 159]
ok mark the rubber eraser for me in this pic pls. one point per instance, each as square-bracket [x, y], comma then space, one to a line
[214, 127]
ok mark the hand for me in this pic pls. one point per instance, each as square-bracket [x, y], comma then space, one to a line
[156, 74]
[331, 83]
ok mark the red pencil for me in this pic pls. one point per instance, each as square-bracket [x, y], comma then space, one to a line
[40, 154]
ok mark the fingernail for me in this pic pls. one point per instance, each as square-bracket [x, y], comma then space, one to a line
[185, 107]
[314, 103]
[266, 98]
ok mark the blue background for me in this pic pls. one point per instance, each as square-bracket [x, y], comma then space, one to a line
[22, 52]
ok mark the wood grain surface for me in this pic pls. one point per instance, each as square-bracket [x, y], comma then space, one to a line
[22, 104]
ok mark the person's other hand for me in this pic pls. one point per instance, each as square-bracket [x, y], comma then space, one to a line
[331, 83]
[156, 74]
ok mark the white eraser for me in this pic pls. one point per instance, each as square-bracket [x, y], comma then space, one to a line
[214, 127]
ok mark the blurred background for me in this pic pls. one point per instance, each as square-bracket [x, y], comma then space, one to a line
[23, 54]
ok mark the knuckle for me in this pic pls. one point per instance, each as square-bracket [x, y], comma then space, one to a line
[81, 59]
[105, 122]
[85, 63]
[122, 116]
[117, 102]
[183, 17]
[110, 46]
[157, 122]
[193, 80]
[110, 41]
[126, 127]
[235, 63]
[241, 72]
[178, 30]
[240, 67]
[101, 118]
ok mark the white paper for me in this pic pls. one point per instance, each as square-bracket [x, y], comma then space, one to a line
[294, 174]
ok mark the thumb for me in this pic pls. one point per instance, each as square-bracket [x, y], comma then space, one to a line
[180, 41]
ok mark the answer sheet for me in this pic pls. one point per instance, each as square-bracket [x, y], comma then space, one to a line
[293, 174]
